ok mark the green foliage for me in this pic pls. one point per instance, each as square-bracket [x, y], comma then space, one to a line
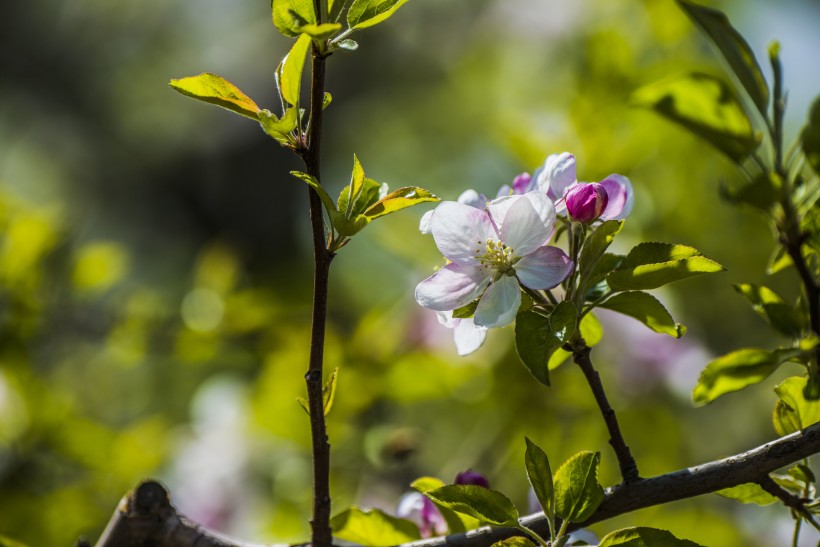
[595, 246]
[644, 537]
[366, 13]
[734, 50]
[539, 474]
[771, 307]
[214, 89]
[653, 265]
[290, 15]
[793, 412]
[290, 70]
[398, 200]
[577, 492]
[647, 309]
[538, 337]
[280, 128]
[590, 330]
[456, 523]
[488, 506]
[763, 193]
[748, 493]
[373, 528]
[515, 541]
[739, 369]
[810, 137]
[707, 107]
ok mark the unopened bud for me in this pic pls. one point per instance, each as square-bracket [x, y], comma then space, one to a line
[586, 202]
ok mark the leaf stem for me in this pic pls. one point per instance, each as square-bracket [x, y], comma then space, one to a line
[581, 356]
[320, 523]
[530, 533]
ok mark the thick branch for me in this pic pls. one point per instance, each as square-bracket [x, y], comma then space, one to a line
[629, 469]
[320, 522]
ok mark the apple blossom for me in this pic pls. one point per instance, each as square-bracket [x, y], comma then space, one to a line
[468, 337]
[586, 202]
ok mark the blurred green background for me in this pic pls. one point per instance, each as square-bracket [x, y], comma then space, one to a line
[155, 259]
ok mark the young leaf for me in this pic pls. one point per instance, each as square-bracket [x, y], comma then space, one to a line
[734, 50]
[810, 137]
[368, 195]
[329, 391]
[488, 506]
[653, 265]
[515, 541]
[321, 32]
[313, 183]
[399, 199]
[214, 89]
[577, 492]
[707, 107]
[595, 247]
[348, 45]
[647, 309]
[425, 484]
[366, 13]
[768, 304]
[290, 79]
[327, 98]
[644, 537]
[290, 15]
[737, 370]
[540, 477]
[277, 128]
[373, 528]
[304, 404]
[748, 493]
[792, 411]
[356, 184]
[591, 332]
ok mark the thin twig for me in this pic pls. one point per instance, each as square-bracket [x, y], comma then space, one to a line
[788, 499]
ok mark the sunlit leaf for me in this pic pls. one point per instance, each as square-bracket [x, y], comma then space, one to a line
[366, 13]
[278, 128]
[373, 528]
[770, 306]
[313, 183]
[329, 391]
[733, 48]
[644, 537]
[737, 370]
[290, 79]
[214, 89]
[577, 492]
[653, 265]
[488, 506]
[290, 15]
[321, 32]
[425, 484]
[748, 493]
[647, 309]
[399, 199]
[591, 331]
[327, 98]
[515, 541]
[595, 246]
[539, 474]
[707, 107]
[792, 411]
[810, 137]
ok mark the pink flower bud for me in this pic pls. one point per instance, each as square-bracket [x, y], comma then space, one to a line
[586, 201]
[472, 477]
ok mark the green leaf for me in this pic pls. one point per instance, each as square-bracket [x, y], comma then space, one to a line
[595, 246]
[455, 522]
[313, 183]
[425, 484]
[304, 404]
[707, 107]
[644, 537]
[329, 391]
[368, 195]
[653, 265]
[748, 493]
[373, 528]
[607, 263]
[771, 307]
[277, 128]
[290, 15]
[780, 260]
[792, 411]
[734, 50]
[647, 309]
[290, 70]
[577, 492]
[737, 370]
[810, 137]
[802, 473]
[515, 541]
[538, 337]
[563, 321]
[355, 187]
[366, 13]
[399, 199]
[214, 89]
[591, 332]
[327, 98]
[488, 506]
[321, 32]
[540, 476]
[763, 193]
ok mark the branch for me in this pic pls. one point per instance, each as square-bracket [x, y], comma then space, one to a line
[146, 517]
[788, 499]
[629, 469]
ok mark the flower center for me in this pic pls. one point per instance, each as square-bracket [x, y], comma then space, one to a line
[498, 256]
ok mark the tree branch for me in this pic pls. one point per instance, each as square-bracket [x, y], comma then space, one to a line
[788, 499]
[629, 469]
[146, 517]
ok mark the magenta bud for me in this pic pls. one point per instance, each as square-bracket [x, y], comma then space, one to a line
[586, 201]
[522, 184]
[472, 477]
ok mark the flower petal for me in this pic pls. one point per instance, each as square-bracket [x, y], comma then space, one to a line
[557, 174]
[468, 336]
[523, 229]
[461, 232]
[499, 207]
[451, 287]
[473, 199]
[499, 305]
[424, 223]
[621, 197]
[544, 268]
